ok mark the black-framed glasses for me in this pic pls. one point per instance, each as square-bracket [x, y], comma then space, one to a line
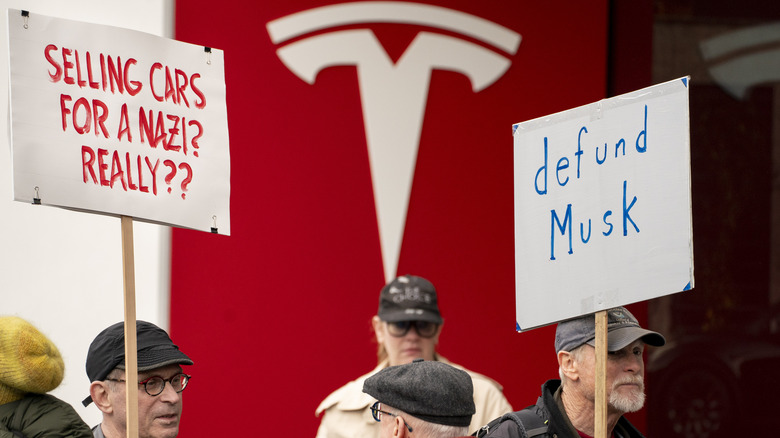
[155, 385]
[423, 328]
[376, 412]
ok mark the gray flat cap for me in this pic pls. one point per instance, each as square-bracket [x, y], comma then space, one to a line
[431, 391]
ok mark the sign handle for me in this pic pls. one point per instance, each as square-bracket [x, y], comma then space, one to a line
[131, 349]
[601, 375]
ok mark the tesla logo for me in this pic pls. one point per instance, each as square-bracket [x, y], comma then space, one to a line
[393, 95]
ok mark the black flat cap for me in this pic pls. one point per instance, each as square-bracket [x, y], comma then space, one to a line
[431, 391]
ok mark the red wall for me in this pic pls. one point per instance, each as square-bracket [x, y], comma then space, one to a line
[276, 316]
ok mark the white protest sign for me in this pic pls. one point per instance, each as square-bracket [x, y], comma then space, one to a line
[603, 205]
[120, 122]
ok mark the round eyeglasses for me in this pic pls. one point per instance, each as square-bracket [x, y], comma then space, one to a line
[155, 385]
[376, 412]
[423, 328]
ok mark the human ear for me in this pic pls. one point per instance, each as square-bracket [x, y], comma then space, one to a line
[378, 329]
[99, 392]
[567, 365]
[399, 428]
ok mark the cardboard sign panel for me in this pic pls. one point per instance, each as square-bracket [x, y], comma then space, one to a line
[603, 205]
[120, 122]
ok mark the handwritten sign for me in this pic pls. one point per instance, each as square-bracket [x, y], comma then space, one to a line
[603, 205]
[118, 121]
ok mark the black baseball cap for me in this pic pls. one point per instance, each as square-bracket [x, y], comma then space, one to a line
[409, 298]
[155, 350]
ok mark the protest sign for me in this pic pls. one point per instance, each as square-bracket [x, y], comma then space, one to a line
[603, 205]
[116, 121]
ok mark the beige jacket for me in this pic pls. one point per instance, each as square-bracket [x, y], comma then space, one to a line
[347, 412]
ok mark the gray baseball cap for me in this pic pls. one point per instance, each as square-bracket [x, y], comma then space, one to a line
[622, 329]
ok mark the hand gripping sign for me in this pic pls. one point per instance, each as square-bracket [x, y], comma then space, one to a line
[118, 121]
[603, 205]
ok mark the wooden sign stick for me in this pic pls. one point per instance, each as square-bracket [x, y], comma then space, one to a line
[131, 349]
[601, 375]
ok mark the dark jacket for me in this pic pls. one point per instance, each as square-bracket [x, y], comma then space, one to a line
[41, 416]
[559, 425]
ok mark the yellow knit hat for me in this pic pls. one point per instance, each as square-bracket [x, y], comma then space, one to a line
[29, 361]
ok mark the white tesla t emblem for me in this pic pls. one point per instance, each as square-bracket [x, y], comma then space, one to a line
[393, 95]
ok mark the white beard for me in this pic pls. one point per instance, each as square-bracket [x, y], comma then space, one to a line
[628, 402]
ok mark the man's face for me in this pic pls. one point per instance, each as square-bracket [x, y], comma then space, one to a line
[158, 416]
[625, 377]
[404, 349]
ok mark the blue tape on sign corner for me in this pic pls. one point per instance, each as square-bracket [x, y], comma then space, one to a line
[687, 287]
[514, 128]
[517, 327]
[685, 82]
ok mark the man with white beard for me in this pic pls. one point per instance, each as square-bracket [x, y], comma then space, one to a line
[566, 408]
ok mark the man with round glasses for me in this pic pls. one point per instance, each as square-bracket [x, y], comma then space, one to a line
[161, 381]
[425, 399]
[407, 327]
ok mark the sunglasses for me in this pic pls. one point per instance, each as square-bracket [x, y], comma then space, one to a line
[424, 329]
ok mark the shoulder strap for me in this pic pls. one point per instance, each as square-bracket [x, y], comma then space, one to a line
[484, 430]
[527, 420]
[534, 425]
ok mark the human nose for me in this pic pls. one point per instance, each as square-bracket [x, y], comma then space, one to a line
[634, 363]
[412, 333]
[169, 395]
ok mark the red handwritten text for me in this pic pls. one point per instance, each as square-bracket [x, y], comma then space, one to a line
[83, 115]
[111, 73]
[113, 169]
[175, 86]
[174, 138]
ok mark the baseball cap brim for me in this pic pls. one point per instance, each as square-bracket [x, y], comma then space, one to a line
[622, 337]
[411, 315]
[158, 357]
